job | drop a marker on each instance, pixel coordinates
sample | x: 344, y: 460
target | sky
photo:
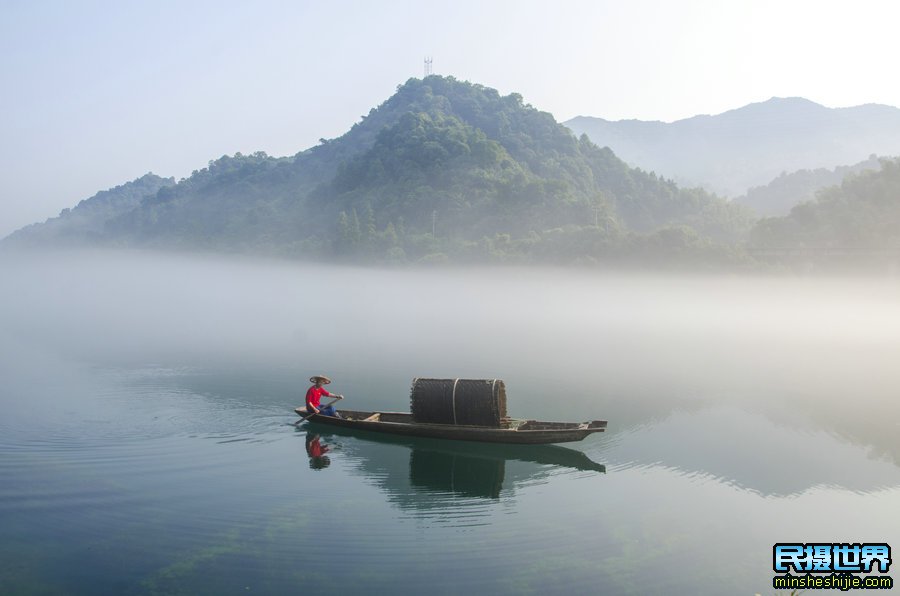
x: 95, y: 94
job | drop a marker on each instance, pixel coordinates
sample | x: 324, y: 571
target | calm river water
x: 147, y: 444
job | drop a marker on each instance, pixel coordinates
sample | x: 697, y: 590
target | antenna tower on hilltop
x: 428, y: 69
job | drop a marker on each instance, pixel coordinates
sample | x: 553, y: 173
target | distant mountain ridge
x: 749, y: 146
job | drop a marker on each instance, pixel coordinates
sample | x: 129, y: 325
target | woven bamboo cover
x: 475, y: 402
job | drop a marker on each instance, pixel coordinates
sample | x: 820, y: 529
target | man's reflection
x: 316, y: 452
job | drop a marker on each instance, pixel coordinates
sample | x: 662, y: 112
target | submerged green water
x: 147, y: 444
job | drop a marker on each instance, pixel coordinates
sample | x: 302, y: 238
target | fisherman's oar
x: 331, y: 403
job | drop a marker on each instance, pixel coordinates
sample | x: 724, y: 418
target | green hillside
x: 780, y: 195
x: 859, y: 220
x: 443, y: 169
x: 86, y: 222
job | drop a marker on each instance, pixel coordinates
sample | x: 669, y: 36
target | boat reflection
x: 427, y: 474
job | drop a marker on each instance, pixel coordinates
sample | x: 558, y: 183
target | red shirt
x: 314, y: 396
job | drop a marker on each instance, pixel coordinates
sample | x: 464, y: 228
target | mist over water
x: 742, y: 412
x: 587, y: 339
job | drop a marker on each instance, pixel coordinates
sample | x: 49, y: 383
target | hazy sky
x: 98, y: 93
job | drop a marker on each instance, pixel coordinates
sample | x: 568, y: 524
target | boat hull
x: 519, y: 431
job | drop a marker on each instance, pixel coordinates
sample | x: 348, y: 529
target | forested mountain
x: 749, y: 146
x: 857, y: 220
x: 85, y: 222
x: 442, y: 169
x: 780, y: 195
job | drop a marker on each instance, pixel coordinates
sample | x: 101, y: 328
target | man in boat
x: 314, y: 396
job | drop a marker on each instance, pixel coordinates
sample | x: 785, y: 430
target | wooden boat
x: 510, y: 430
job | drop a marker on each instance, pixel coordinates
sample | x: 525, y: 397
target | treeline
x: 360, y: 240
